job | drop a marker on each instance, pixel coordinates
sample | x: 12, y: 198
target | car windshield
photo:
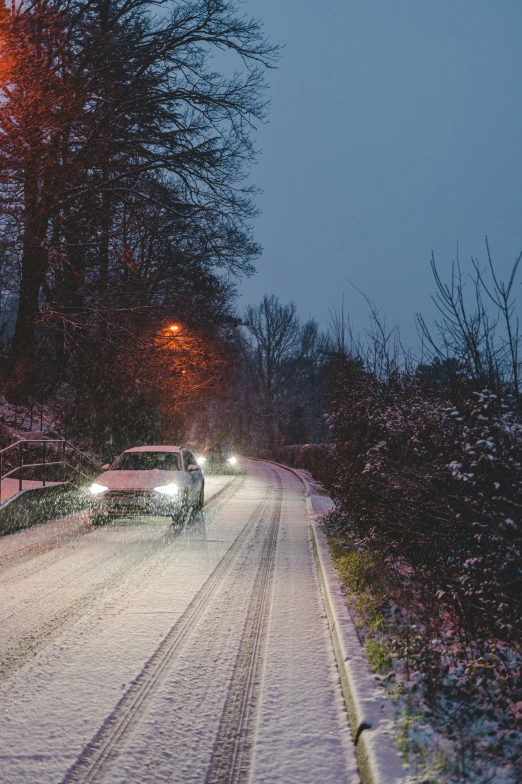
x: 147, y: 461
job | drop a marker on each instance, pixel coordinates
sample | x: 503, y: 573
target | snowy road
x: 145, y: 653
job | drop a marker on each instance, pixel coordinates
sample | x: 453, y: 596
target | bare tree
x: 500, y: 295
x: 288, y: 364
x: 479, y: 341
x: 272, y: 341
x: 97, y: 98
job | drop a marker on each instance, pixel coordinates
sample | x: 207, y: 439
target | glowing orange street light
x: 174, y: 327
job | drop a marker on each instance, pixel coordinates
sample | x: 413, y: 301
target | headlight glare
x: 232, y: 460
x: 201, y: 460
x: 97, y: 489
x: 167, y: 489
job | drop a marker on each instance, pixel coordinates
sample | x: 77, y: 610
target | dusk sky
x: 395, y: 130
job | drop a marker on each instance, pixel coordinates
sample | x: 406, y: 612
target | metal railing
x: 48, y: 447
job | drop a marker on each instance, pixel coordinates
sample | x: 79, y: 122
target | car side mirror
x: 192, y: 467
x: 106, y: 467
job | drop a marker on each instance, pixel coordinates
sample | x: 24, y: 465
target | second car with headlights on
x: 219, y: 459
x: 161, y: 481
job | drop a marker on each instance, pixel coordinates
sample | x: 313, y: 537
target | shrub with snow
x: 432, y: 489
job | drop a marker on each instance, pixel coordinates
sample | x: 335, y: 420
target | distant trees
x: 286, y: 361
x: 123, y: 154
x: 273, y: 385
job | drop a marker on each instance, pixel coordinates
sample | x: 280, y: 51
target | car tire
x: 179, y: 517
x: 198, y: 506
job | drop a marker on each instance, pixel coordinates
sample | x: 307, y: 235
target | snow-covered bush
x: 431, y: 490
x: 437, y: 486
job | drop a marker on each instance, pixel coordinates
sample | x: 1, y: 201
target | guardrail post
x: 20, y: 484
x: 44, y: 462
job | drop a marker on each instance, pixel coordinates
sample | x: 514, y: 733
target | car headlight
x: 97, y: 489
x: 167, y: 489
x: 232, y: 460
x: 201, y: 460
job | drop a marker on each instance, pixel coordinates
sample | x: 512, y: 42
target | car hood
x: 139, y: 480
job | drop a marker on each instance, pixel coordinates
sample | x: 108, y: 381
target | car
x: 219, y: 459
x: 160, y: 480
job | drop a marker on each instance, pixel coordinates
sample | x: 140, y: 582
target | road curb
x: 370, y: 713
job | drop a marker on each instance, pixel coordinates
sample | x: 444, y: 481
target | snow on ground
x: 133, y: 635
x: 301, y: 681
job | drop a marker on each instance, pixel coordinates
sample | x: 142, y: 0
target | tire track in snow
x: 231, y: 758
x: 78, y: 601
x: 69, y: 530
x: 106, y: 745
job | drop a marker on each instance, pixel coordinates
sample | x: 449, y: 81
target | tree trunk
x: 33, y: 274
x: 105, y: 229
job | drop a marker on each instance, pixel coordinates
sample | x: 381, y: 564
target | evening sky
x: 395, y: 129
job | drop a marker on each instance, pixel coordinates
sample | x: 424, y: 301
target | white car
x: 148, y: 480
